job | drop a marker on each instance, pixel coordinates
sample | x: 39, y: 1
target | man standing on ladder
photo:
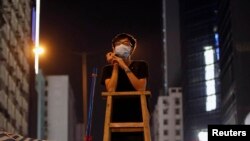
x: 124, y: 74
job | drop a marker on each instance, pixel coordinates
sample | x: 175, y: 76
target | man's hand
x: 120, y: 61
x: 109, y: 57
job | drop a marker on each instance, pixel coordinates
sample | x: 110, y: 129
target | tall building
x: 234, y: 31
x: 200, y: 55
x: 15, y: 36
x: 171, y: 44
x: 168, y: 117
x: 61, y: 116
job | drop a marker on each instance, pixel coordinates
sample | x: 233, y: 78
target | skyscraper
x: 234, y: 31
x: 61, y: 115
x: 200, y: 53
x: 15, y: 49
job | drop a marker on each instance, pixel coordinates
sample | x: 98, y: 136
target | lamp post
x: 37, y: 49
x: 85, y: 92
x: 84, y: 87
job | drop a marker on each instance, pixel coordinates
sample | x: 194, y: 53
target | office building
x: 61, y: 115
x: 234, y: 31
x: 200, y: 56
x: 167, y: 121
x: 15, y: 47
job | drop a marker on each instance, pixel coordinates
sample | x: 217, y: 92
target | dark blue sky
x: 77, y: 26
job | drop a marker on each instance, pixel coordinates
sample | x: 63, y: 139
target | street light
x: 38, y: 51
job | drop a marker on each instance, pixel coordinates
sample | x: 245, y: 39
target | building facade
x: 61, y: 116
x: 234, y: 31
x: 168, y: 117
x: 15, y: 46
x: 200, y: 55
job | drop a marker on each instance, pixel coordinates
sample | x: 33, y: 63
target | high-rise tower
x: 200, y: 52
x: 234, y: 30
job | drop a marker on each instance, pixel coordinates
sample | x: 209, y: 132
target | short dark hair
x: 123, y: 36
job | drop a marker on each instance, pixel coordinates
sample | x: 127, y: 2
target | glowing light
x: 211, y: 102
x: 209, y: 77
x: 209, y: 74
x: 216, y: 37
x: 217, y: 49
x: 247, y: 119
x: 38, y: 50
x: 37, y: 23
x: 203, y: 136
x: 210, y: 87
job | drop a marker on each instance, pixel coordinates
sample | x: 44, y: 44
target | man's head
x: 124, y: 41
x: 121, y: 36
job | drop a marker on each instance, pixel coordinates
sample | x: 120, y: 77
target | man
x: 124, y: 74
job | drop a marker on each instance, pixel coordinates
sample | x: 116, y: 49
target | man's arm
x: 138, y: 84
x: 111, y: 82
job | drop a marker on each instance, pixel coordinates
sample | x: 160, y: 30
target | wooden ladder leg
x: 145, y: 118
x: 107, y: 134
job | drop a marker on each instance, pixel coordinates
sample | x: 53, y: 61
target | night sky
x: 68, y: 27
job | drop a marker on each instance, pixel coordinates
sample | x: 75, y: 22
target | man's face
x: 122, y: 48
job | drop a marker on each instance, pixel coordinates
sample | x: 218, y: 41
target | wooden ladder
x: 143, y: 126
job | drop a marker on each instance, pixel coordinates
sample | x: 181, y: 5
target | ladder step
x: 126, y: 127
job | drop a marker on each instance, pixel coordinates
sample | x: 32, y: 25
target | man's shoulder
x: 107, y: 67
x: 139, y: 62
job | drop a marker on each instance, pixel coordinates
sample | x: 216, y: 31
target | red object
x: 88, y: 138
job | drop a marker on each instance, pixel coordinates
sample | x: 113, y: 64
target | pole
x: 37, y: 31
x: 84, y: 87
x: 88, y: 136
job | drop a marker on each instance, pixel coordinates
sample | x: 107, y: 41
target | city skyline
x: 200, y: 47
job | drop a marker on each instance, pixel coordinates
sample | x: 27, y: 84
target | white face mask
x: 122, y: 51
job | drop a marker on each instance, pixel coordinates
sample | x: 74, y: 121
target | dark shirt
x: 139, y: 68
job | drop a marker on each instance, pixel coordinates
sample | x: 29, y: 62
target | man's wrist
x: 127, y: 70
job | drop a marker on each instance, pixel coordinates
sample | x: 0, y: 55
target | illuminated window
x: 209, y: 77
x: 211, y: 102
x: 209, y: 74
x: 210, y: 87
